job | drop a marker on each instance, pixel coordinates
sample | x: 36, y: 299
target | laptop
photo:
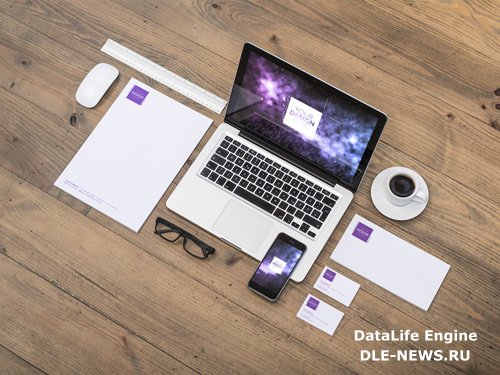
x: 290, y: 155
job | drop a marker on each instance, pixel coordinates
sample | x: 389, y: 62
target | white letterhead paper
x: 133, y: 154
x: 389, y: 261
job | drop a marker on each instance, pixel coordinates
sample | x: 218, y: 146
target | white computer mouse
x: 95, y: 84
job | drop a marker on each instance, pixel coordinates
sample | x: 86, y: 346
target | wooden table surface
x: 80, y: 293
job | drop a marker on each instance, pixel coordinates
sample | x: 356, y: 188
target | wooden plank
x: 459, y: 206
x: 25, y: 133
x: 449, y: 210
x: 46, y: 76
x: 46, y: 254
x: 23, y: 158
x: 145, y: 295
x: 58, y: 334
x: 96, y: 280
x: 448, y: 244
x: 471, y: 24
x: 373, y: 305
x: 473, y: 273
x: 412, y: 51
x: 459, y: 222
x: 438, y: 125
x: 36, y: 146
x: 237, y: 22
x: 33, y: 63
x: 11, y: 363
x: 453, y: 207
x: 408, y: 121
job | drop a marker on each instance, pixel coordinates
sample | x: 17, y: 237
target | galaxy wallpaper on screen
x: 313, y: 122
x: 277, y: 266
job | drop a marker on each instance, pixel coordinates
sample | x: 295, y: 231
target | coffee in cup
x: 403, y: 187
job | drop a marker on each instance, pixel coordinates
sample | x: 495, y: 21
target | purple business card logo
x: 312, y: 303
x: 329, y: 275
x: 137, y: 94
x: 362, y: 231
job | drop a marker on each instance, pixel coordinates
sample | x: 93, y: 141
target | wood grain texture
x: 452, y: 133
x: 62, y: 50
x: 414, y: 51
x: 38, y: 162
x: 442, y: 238
x: 12, y: 364
x: 24, y: 151
x: 56, y: 332
x: 205, y: 330
x: 474, y: 22
x: 442, y: 126
x: 432, y: 66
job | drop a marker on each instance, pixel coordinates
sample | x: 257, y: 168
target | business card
x: 337, y: 286
x: 320, y: 314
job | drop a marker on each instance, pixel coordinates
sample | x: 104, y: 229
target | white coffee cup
x: 403, y: 188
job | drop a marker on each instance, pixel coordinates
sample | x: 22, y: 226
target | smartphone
x: 274, y: 271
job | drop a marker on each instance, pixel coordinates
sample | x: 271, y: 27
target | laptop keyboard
x: 270, y: 186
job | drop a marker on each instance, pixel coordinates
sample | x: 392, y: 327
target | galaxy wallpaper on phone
x: 277, y: 266
x: 309, y: 120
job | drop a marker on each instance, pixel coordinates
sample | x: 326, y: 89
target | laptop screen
x: 320, y: 126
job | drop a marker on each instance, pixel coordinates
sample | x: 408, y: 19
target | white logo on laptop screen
x: 302, y: 118
x: 277, y: 265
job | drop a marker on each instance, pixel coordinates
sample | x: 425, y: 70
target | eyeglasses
x: 191, y: 244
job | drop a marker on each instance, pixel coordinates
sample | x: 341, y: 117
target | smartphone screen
x: 275, y: 269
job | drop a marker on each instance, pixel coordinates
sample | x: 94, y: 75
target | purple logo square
x: 362, y: 231
x: 329, y: 275
x: 137, y: 94
x: 312, y: 303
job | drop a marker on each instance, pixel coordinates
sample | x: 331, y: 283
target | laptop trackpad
x: 242, y: 227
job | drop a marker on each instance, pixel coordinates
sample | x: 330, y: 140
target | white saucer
x: 386, y: 208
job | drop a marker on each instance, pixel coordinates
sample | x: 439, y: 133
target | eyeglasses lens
x: 167, y: 233
x: 193, y: 248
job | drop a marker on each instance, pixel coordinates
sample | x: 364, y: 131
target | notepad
x: 133, y: 154
x: 390, y: 262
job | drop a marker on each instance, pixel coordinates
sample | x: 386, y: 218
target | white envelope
x: 389, y: 261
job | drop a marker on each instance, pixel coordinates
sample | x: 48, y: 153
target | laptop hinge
x: 296, y: 161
